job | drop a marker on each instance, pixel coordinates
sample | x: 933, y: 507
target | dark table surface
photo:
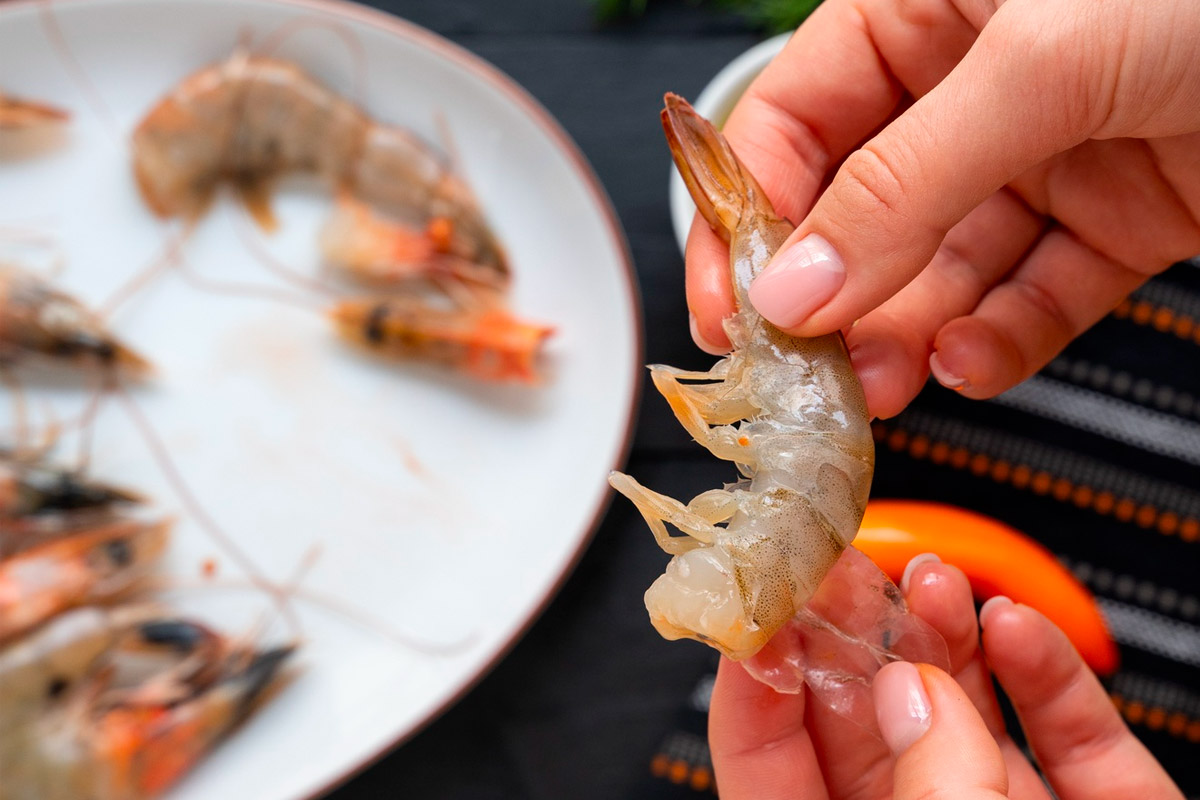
x: 578, y: 707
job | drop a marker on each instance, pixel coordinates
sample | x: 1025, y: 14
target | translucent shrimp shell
x: 789, y: 412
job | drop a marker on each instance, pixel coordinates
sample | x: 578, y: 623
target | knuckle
x: 871, y: 182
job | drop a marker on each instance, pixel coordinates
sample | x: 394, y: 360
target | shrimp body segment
x: 37, y: 319
x: 789, y: 412
x: 249, y: 120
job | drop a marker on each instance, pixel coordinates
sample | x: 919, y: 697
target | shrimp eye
x: 180, y: 636
x: 119, y: 552
x: 374, y: 326
x: 56, y: 687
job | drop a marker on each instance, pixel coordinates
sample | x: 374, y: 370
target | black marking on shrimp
x: 887, y: 639
x: 892, y: 594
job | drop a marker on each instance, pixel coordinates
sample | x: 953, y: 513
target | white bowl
x: 715, y: 102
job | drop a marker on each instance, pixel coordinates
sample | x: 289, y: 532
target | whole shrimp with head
x: 789, y: 412
x: 126, y: 722
x: 38, y: 320
x: 251, y: 119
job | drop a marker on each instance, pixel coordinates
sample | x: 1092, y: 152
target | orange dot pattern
x: 679, y: 771
x: 1142, y: 312
x: 1175, y: 723
x: 1021, y: 476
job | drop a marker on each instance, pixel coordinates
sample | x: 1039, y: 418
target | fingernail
x: 700, y: 341
x: 799, y: 280
x: 944, y: 376
x: 989, y: 608
x: 901, y: 705
x: 916, y: 561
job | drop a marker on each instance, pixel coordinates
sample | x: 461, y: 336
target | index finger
x: 838, y: 79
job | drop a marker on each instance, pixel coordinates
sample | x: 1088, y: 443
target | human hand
x: 767, y: 745
x: 1046, y: 168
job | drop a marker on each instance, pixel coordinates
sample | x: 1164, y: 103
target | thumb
x: 1014, y: 100
x: 942, y: 746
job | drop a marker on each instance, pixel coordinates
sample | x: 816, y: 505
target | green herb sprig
x: 772, y: 16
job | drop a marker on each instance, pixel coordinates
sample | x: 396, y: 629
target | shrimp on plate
x: 250, y: 120
x: 95, y: 565
x: 39, y: 502
x: 19, y: 114
x: 790, y: 413
x: 38, y: 320
x: 403, y: 223
x: 486, y: 343
x: 118, y: 704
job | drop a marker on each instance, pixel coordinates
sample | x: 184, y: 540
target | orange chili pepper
x: 996, y: 558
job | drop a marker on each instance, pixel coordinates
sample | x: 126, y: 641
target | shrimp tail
x: 725, y: 193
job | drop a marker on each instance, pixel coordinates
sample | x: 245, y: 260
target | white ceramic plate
x: 448, y: 510
x: 715, y: 102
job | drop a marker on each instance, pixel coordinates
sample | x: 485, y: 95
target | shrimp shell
x: 88, y: 567
x: 487, y: 343
x: 37, y: 319
x: 789, y: 412
x: 251, y: 119
x: 128, y: 731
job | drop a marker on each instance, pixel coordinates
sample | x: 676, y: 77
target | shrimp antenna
x: 242, y: 289
x: 354, y: 47
x: 169, y: 256
x: 274, y: 265
x: 197, y: 510
x: 91, y: 94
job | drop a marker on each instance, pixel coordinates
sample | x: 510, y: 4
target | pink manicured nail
x: 916, y: 561
x: 989, y: 608
x: 799, y: 280
x: 700, y: 341
x: 901, y: 705
x: 944, y: 376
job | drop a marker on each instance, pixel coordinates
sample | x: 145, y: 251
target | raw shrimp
x: 789, y: 412
x: 487, y: 343
x: 38, y: 501
x: 383, y: 253
x: 87, y: 567
x: 16, y: 113
x: 127, y: 640
x: 121, y: 733
x: 38, y: 320
x: 249, y: 120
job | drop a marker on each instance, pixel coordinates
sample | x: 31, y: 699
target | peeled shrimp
x: 789, y: 412
x: 37, y: 319
x: 249, y: 120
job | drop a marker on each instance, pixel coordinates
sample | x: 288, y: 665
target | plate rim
x: 511, y: 89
